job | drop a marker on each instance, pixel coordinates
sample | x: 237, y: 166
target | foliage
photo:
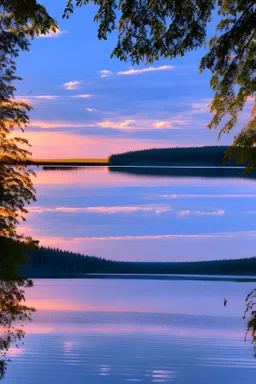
x: 20, y: 21
x: 52, y: 262
x: 150, y: 29
x: 250, y: 309
x: 13, y: 311
x: 173, y: 156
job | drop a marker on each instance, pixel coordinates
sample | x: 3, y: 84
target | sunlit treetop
x: 28, y: 17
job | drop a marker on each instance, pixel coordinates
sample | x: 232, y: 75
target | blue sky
x: 88, y: 105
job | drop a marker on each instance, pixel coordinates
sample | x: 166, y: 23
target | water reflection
x: 164, y: 344
x: 164, y: 171
x: 250, y: 310
x: 173, y: 172
x: 13, y: 311
x: 162, y: 331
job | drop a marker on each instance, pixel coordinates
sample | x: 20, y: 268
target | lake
x: 145, y: 331
x: 153, y: 214
x: 113, y: 331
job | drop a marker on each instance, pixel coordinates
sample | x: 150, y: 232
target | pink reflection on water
x: 57, y: 305
x: 12, y: 352
x: 118, y: 329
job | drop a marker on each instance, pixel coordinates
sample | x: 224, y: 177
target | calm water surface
x: 143, y: 214
x: 119, y: 331
x: 115, y: 331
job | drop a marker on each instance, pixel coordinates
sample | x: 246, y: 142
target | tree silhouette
x: 151, y: 29
x: 16, y: 188
x: 251, y: 311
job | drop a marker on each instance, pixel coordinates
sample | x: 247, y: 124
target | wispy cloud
x: 145, y: 70
x: 200, y: 108
x: 187, y: 212
x: 52, y: 34
x: 101, y: 209
x: 162, y: 210
x: 184, y: 212
x: 71, y: 85
x: 228, y: 195
x: 58, y: 124
x: 31, y: 99
x: 216, y: 235
x: 91, y: 110
x: 105, y: 73
x: 82, y: 96
x: 46, y: 97
x: 220, y: 212
x: 170, y: 124
x: 142, y: 124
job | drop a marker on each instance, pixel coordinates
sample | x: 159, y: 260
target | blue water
x: 142, y: 217
x: 119, y: 331
x: 145, y: 331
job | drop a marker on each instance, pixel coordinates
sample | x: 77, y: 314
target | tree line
x: 54, y: 262
x: 204, y: 156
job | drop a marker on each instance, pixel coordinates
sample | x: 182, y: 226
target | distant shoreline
x: 91, y: 163
x: 56, y: 263
x: 69, y: 162
x: 187, y: 277
x: 206, y: 156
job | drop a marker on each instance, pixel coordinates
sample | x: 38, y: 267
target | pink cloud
x: 58, y: 124
x: 184, y: 212
x: 142, y: 124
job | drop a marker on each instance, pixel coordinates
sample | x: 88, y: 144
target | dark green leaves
x: 151, y: 29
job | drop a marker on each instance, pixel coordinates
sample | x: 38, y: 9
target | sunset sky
x: 88, y: 105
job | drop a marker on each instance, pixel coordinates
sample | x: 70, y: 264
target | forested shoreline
x: 179, y: 156
x: 52, y: 262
